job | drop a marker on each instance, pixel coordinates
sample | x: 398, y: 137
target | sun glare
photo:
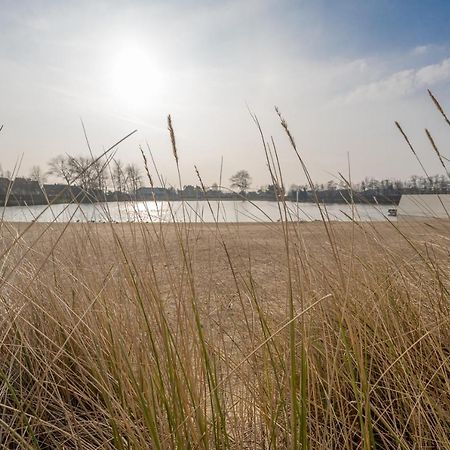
x: 135, y: 77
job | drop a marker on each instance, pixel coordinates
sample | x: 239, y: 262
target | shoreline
x: 205, y: 200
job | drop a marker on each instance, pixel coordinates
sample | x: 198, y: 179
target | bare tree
x: 84, y: 171
x: 36, y: 174
x: 134, y: 178
x: 81, y: 170
x: 98, y: 174
x: 241, y: 180
x: 118, y: 176
x: 60, y: 167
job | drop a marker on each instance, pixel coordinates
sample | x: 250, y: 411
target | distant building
x: 25, y: 187
x: 62, y: 193
x: 20, y: 191
x: 149, y: 193
x: 4, y: 185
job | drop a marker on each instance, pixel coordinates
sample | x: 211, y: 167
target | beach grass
x: 216, y: 336
x: 301, y: 335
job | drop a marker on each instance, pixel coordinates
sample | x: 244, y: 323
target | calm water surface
x: 192, y: 211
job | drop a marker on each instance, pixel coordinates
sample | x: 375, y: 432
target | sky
x: 341, y: 72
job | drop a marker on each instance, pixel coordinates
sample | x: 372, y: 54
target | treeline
x: 370, y: 190
x: 85, y: 179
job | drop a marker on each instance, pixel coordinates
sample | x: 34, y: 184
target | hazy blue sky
x: 340, y: 71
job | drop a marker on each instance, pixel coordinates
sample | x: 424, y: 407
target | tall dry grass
x: 279, y: 335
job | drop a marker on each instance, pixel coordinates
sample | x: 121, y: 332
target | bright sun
x: 135, y: 78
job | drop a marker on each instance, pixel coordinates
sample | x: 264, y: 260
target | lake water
x: 192, y: 211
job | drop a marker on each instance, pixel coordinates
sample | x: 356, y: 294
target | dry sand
x: 223, y: 259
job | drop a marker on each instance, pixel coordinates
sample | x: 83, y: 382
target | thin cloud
x: 427, y: 50
x: 400, y: 84
x: 421, y: 49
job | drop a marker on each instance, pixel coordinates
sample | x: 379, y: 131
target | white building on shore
x: 421, y: 206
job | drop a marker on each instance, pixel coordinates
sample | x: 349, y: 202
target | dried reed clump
x: 149, y: 342
x: 172, y: 138
x: 282, y: 335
